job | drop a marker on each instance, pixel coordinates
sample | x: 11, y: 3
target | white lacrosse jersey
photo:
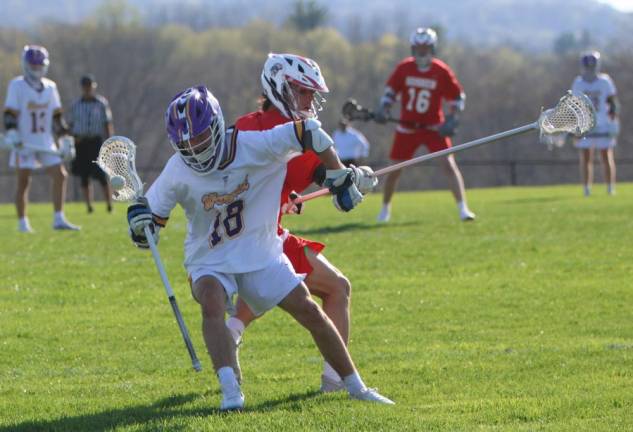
x: 350, y: 143
x: 598, y: 90
x: 232, y: 211
x: 35, y: 110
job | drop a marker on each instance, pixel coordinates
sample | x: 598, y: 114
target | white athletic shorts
x: 29, y: 159
x: 262, y: 289
x: 600, y: 143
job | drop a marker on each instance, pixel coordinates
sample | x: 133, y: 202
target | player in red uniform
x: 423, y: 84
x: 292, y: 90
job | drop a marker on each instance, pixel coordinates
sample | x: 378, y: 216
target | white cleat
x: 234, y: 402
x: 466, y: 215
x: 329, y: 385
x: 371, y: 395
x: 384, y: 215
x: 25, y: 229
x: 64, y: 225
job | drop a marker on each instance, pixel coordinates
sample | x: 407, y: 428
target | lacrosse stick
x: 352, y: 110
x: 66, y: 147
x: 573, y: 114
x: 117, y: 159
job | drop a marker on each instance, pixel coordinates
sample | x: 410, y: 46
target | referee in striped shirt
x: 91, y: 123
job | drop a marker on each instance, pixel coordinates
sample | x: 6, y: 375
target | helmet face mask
x: 35, y: 62
x: 294, y: 85
x: 195, y: 126
x: 423, y: 43
x: 590, y: 63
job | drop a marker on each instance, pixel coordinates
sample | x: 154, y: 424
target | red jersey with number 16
x: 422, y: 92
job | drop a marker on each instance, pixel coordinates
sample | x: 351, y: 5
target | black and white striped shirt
x: 89, y: 116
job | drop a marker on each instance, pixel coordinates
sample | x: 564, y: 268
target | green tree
x: 307, y: 15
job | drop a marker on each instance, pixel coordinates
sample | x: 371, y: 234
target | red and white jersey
x: 34, y: 110
x: 300, y: 169
x: 232, y: 211
x: 598, y: 90
x: 421, y: 92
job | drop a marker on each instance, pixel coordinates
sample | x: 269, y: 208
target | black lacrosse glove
x: 139, y: 216
x: 449, y: 127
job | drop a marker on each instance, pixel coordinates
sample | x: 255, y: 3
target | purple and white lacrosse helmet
x: 195, y: 126
x: 35, y: 62
x: 590, y: 62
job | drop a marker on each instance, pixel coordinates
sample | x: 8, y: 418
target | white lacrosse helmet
x: 281, y: 70
x: 423, y: 36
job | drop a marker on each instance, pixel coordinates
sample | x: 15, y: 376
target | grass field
x: 520, y: 321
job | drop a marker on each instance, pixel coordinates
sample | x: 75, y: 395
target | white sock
x: 329, y: 372
x: 228, y: 381
x: 236, y: 328
x: 611, y: 189
x: 354, y: 383
x: 24, y: 223
x: 59, y: 216
x: 587, y: 190
x: 463, y: 207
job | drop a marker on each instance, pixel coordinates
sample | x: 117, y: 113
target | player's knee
x: 343, y: 290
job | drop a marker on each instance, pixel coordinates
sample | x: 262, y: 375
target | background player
x: 423, y: 84
x: 229, y: 186
x: 351, y: 145
x: 599, y: 87
x: 33, y: 113
x: 293, y: 88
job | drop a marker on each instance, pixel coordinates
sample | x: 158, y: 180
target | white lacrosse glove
x: 139, y: 216
x: 12, y: 139
x: 364, y: 178
x: 67, y: 147
x: 341, y: 184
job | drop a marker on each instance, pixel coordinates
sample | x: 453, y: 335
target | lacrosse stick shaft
x: 172, y: 300
x: 430, y: 156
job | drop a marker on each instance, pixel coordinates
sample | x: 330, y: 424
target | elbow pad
x: 10, y: 120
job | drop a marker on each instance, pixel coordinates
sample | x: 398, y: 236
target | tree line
x: 140, y: 68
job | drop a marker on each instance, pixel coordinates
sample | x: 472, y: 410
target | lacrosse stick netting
x: 117, y: 158
x: 573, y: 114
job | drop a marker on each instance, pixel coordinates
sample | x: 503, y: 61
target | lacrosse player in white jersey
x: 599, y: 87
x: 229, y: 185
x: 32, y: 116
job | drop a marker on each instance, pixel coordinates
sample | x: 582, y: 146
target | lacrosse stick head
x: 352, y: 110
x: 573, y: 114
x: 117, y: 158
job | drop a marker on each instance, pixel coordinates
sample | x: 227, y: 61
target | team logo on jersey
x: 35, y: 106
x: 425, y: 83
x: 212, y: 199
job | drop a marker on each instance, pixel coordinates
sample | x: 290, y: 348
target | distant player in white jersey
x: 229, y: 185
x: 32, y: 116
x: 599, y: 87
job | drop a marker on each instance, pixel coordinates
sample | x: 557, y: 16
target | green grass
x: 520, y: 321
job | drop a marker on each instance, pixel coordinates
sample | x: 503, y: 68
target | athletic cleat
x: 371, y: 395
x: 233, y: 402
x: 384, y: 215
x: 65, y: 225
x: 466, y: 215
x: 26, y: 229
x: 330, y: 385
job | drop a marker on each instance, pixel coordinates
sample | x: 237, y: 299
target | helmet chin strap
x: 424, y: 62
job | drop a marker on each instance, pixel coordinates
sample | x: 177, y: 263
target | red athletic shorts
x: 406, y: 144
x: 294, y: 248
